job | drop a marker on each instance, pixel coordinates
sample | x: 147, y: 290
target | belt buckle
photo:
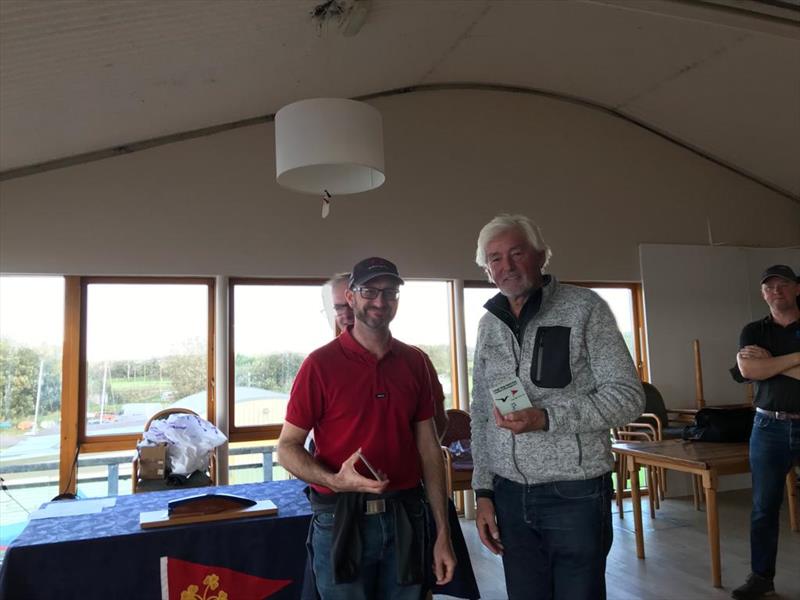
x: 375, y: 507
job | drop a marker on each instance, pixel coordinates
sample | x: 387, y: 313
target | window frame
x: 454, y: 374
x: 76, y: 299
x: 272, y: 432
x: 253, y: 433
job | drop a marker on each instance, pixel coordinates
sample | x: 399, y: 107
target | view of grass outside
x: 275, y: 328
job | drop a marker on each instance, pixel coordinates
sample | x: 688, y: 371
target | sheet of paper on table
x: 68, y: 508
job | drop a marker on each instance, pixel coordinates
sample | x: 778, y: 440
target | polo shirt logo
x: 381, y: 395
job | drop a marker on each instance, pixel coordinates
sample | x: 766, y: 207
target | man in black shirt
x: 769, y: 355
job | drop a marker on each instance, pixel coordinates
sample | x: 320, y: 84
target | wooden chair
x: 640, y: 432
x: 196, y: 479
x: 670, y: 424
x: 650, y: 425
x: 458, y: 470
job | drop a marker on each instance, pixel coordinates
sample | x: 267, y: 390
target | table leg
x: 469, y: 505
x: 791, y: 493
x: 712, y: 520
x: 622, y: 470
x: 633, y: 471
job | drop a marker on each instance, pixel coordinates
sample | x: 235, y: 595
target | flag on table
x: 184, y: 580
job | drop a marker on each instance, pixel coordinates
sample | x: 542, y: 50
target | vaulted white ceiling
x: 83, y: 76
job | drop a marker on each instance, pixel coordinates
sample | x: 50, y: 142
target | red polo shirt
x: 353, y: 400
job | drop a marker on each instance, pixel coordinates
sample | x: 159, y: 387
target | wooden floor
x: 676, y: 546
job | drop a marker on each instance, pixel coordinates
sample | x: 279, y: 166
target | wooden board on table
x: 160, y: 518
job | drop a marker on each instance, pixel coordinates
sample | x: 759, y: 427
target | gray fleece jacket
x: 574, y: 363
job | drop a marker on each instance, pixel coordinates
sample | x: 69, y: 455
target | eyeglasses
x: 369, y: 293
x: 341, y: 308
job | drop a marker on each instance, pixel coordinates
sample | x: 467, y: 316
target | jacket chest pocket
x: 550, y: 366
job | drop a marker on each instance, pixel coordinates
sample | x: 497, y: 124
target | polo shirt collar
x: 351, y: 345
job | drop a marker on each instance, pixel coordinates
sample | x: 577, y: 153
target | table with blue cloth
x: 108, y: 555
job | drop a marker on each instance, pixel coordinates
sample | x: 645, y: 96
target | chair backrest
x: 163, y: 414
x: 622, y: 435
x: 458, y: 427
x: 654, y: 403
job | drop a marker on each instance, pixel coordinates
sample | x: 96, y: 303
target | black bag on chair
x: 720, y: 425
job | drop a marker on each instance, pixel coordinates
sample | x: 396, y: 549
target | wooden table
x: 705, y: 459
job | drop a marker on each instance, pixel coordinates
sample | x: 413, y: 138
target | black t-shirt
x: 779, y: 392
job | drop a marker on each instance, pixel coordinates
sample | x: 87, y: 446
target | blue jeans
x: 378, y: 577
x: 556, y: 537
x: 774, y: 445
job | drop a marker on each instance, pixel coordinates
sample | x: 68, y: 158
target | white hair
x: 339, y: 277
x: 327, y: 296
x: 505, y: 222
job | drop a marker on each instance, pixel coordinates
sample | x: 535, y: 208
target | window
x: 424, y: 320
x: 274, y: 326
x: 31, y: 337
x: 620, y: 301
x: 147, y: 346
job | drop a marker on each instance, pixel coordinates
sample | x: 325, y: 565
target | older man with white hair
x: 551, y: 376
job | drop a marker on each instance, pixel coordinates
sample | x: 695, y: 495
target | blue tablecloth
x: 108, y: 555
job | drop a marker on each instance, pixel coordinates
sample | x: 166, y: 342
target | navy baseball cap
x: 370, y: 268
x: 782, y: 271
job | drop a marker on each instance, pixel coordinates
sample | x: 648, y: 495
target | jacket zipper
x: 580, y: 449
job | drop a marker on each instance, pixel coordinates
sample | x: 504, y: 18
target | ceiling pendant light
x: 329, y: 147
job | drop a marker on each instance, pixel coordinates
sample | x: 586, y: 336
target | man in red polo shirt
x: 367, y: 398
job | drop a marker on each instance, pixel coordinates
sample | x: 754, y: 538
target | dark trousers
x: 774, y: 446
x: 556, y: 537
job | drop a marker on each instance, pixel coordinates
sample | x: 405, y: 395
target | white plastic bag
x: 189, y: 441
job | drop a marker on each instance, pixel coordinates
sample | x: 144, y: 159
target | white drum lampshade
x: 329, y: 145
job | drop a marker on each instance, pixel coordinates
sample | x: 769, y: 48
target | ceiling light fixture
x: 329, y: 147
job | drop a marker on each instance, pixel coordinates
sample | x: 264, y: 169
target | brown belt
x: 778, y: 414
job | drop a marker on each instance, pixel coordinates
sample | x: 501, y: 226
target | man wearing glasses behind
x: 343, y: 318
x: 367, y: 398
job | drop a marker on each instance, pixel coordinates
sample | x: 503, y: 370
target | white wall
x: 598, y: 185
